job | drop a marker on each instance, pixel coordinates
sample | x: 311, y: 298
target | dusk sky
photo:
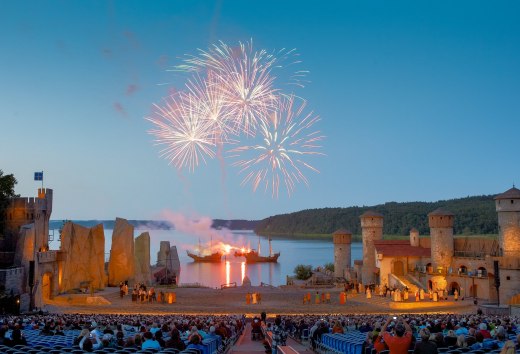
x: 419, y: 101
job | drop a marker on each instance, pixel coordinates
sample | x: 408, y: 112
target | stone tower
x: 372, y: 230
x: 508, y: 208
x: 342, y: 240
x: 441, y: 232
x: 25, y: 211
x: 414, y: 237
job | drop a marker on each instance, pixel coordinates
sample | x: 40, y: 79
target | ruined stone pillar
x: 121, y: 266
x: 143, y: 271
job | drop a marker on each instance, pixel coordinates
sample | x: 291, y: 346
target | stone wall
x: 25, y: 246
x: 83, y: 257
x: 14, y: 280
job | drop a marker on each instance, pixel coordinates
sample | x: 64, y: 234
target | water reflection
x: 230, y: 271
x: 314, y: 252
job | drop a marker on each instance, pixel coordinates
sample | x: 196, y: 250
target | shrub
x: 303, y: 272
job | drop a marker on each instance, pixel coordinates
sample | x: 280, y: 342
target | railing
x: 463, y: 272
x: 468, y: 254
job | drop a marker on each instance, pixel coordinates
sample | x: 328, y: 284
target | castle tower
x: 371, y: 230
x: 342, y: 240
x: 25, y: 211
x: 414, y: 237
x: 508, y: 208
x: 441, y: 232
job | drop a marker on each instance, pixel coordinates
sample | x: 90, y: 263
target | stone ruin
x: 143, y: 272
x: 83, y: 252
x: 168, y: 262
x: 83, y: 257
x: 121, y: 266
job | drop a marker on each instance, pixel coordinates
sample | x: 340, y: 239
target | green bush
x: 329, y: 267
x: 303, y: 272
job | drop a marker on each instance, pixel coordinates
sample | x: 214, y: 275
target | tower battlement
x: 342, y: 237
x: 441, y: 218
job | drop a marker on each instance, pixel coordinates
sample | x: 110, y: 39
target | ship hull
x: 253, y: 257
x: 212, y: 258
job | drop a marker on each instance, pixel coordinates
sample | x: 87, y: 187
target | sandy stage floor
x: 283, y: 300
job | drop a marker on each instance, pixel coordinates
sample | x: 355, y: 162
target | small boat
x: 255, y: 257
x: 214, y: 257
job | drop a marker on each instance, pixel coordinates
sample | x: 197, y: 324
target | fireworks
x: 233, y: 93
x: 244, y: 81
x: 278, y: 157
x: 187, y: 135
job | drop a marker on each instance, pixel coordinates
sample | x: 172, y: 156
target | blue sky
x: 418, y: 101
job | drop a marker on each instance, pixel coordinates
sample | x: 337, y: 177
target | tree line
x: 473, y: 215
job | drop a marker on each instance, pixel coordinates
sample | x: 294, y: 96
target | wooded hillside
x: 473, y: 215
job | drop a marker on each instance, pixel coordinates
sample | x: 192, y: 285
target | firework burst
x: 278, y: 158
x: 211, y: 106
x: 188, y: 137
x: 233, y: 93
x: 245, y: 80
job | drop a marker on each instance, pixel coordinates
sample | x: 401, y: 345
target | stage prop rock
x: 162, y: 255
x: 173, y: 263
x: 246, y: 282
x: 83, y: 258
x: 121, y: 266
x: 143, y: 272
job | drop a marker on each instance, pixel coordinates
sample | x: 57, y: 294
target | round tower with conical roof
x: 414, y: 237
x: 508, y: 209
x: 441, y: 232
x: 371, y: 229
x: 342, y: 240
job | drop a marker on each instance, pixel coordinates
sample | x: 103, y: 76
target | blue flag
x: 38, y: 176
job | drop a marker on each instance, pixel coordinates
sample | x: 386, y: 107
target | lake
x: 294, y: 251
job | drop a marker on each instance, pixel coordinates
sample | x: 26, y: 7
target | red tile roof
x: 400, y: 248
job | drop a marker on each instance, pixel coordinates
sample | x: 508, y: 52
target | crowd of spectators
x: 431, y: 333
x: 136, y: 332
x: 424, y: 333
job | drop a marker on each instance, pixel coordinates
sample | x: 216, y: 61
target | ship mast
x: 258, y: 244
x: 270, y: 248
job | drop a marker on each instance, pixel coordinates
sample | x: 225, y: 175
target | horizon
x: 415, y: 102
x: 352, y: 206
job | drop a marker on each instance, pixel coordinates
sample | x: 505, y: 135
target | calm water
x: 315, y: 252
